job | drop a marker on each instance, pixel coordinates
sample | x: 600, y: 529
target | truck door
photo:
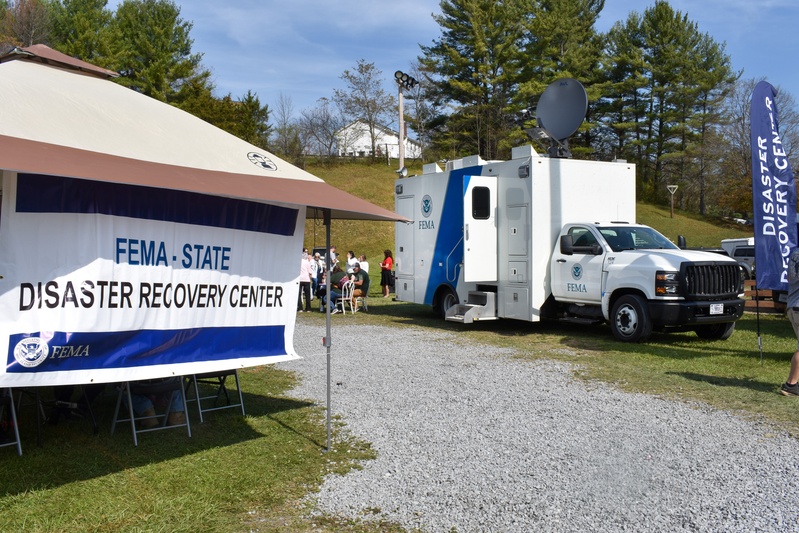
x: 578, y: 277
x: 480, y: 228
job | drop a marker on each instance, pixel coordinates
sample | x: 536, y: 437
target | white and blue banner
x: 773, y: 192
x: 104, y: 282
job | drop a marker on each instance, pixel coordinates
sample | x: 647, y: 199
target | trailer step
x: 480, y: 306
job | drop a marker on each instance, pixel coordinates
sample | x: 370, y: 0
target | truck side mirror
x: 566, y: 245
x: 681, y: 242
x: 596, y: 249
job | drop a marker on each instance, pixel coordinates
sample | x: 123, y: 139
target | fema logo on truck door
x: 577, y: 271
x: 427, y: 210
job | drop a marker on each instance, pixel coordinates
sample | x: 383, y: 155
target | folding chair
x: 362, y: 301
x: 219, y: 381
x: 171, y: 386
x: 7, y: 406
x: 346, y: 297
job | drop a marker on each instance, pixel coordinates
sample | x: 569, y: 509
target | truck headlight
x: 667, y: 283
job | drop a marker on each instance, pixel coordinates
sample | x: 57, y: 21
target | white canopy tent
x: 80, y: 278
x: 64, y: 117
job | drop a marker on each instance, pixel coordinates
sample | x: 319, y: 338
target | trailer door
x: 480, y: 228
x: 406, y: 247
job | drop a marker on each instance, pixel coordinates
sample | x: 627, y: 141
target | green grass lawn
x: 234, y: 474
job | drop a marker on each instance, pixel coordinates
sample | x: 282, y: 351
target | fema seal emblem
x: 577, y: 271
x: 261, y: 160
x: 31, y: 352
x: 427, y: 205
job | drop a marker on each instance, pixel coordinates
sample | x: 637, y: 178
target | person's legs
x: 177, y: 411
x: 791, y: 387
x: 357, y: 293
x: 793, y: 374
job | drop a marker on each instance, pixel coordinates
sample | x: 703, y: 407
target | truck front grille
x: 711, y: 281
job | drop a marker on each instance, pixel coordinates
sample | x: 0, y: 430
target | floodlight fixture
x: 404, y: 80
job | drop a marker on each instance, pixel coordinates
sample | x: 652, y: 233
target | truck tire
x: 630, y: 320
x: 446, y: 299
x: 716, y: 332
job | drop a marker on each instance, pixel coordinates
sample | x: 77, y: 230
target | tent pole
x: 327, y: 319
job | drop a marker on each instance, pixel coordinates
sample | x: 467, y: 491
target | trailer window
x: 481, y: 203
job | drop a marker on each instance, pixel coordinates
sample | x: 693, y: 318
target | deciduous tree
x: 24, y: 23
x: 365, y: 98
x: 318, y: 128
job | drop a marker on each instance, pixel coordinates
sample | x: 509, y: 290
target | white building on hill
x: 354, y: 141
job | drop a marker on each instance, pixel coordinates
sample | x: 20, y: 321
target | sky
x: 300, y: 48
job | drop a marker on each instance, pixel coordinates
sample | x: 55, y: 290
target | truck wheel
x: 446, y: 299
x: 629, y: 319
x: 716, y: 332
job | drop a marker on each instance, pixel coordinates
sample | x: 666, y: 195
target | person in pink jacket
x: 305, y: 282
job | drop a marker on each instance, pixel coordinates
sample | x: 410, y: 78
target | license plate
x: 716, y: 309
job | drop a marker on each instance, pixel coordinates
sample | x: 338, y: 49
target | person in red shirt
x: 386, y: 276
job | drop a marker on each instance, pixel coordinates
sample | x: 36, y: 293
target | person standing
x: 791, y: 387
x: 351, y: 260
x: 333, y: 257
x: 364, y: 264
x: 314, y: 275
x: 305, y: 283
x: 386, y: 275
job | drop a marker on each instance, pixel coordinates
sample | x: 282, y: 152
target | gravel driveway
x: 469, y: 439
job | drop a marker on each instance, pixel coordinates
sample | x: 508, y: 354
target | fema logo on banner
x: 427, y: 205
x: 261, y: 160
x: 31, y: 352
x: 577, y: 271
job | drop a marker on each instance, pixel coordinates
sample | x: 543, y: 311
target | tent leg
x: 328, y: 342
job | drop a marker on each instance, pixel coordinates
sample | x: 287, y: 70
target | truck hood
x: 679, y: 256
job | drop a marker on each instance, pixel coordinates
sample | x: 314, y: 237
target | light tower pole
x: 404, y: 81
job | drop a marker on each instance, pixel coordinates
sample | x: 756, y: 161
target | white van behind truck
x: 743, y: 251
x: 540, y: 237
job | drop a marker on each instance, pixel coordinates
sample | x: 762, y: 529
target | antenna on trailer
x: 560, y: 111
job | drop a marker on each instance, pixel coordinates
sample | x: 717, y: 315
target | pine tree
x: 477, y: 64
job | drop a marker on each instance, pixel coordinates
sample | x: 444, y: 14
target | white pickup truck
x: 638, y: 281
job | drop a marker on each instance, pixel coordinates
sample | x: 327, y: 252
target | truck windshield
x: 635, y: 238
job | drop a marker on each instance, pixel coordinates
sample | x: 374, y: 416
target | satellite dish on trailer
x: 560, y: 111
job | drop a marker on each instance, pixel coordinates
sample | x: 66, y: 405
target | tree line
x: 662, y: 94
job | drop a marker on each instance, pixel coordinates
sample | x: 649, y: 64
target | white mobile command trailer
x: 543, y: 237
